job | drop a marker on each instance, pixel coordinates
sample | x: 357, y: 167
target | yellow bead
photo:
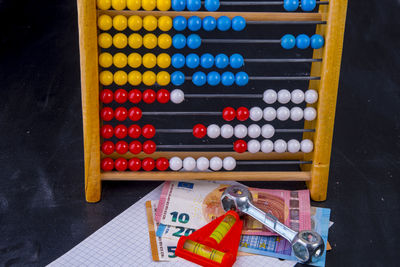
x: 120, y: 60
x: 163, y: 5
x: 163, y: 78
x: 149, y: 78
x: 134, y: 4
x: 104, y: 4
x: 150, y: 23
x: 105, y: 40
x: 120, y: 78
x: 163, y: 60
x: 134, y: 78
x: 165, y: 23
x: 104, y: 22
x: 106, y: 77
x: 149, y: 5
x: 134, y: 60
x: 164, y: 41
x: 149, y: 60
x: 150, y: 41
x: 135, y: 23
x: 135, y: 40
x: 120, y: 22
x: 120, y: 40
x: 105, y: 60
x: 118, y: 4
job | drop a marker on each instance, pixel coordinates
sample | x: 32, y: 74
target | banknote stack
x: 185, y: 207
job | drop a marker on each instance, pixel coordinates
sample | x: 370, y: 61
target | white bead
x: 280, y: 146
x: 270, y: 96
x: 284, y: 96
x: 310, y: 113
x: 267, y: 146
x: 216, y: 163
x: 253, y: 146
x: 293, y: 146
x: 296, y: 114
x: 202, y: 164
x: 267, y: 131
x: 311, y: 96
x: 254, y: 131
x: 226, y: 131
x: 282, y: 113
x: 306, y: 146
x: 256, y: 113
x: 177, y: 96
x: 175, y: 163
x: 213, y: 131
x: 240, y: 131
x: 297, y: 96
x: 189, y: 164
x: 269, y: 114
x: 229, y: 163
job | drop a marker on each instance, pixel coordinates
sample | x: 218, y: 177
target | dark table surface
x: 42, y: 209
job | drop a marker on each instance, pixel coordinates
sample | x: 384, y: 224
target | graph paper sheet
x: 124, y: 241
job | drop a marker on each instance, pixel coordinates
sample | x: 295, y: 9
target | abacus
x: 145, y: 63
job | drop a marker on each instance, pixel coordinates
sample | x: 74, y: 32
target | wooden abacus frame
x: 315, y: 174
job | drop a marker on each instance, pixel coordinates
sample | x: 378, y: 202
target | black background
x: 42, y: 209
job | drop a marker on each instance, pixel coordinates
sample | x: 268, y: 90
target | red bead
x: 121, y: 131
x: 242, y: 113
x: 149, y: 96
x: 135, y: 113
x: 148, y: 164
x: 121, y: 96
x: 134, y: 164
x: 121, y: 147
x: 135, y: 147
x: 107, y: 147
x: 106, y: 96
x: 240, y: 146
x: 163, y: 96
x: 162, y: 164
x: 107, y: 114
x: 107, y: 164
x: 134, y: 131
x: 121, y: 114
x: 148, y: 131
x: 229, y: 114
x: 121, y: 164
x: 199, y: 131
x: 149, y: 147
x: 107, y: 131
x: 135, y: 96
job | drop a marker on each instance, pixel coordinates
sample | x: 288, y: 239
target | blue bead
x: 290, y: 5
x: 209, y: 23
x: 199, y: 78
x: 302, y: 41
x: 178, y: 5
x: 194, y: 23
x: 213, y: 78
x: 179, y: 23
x: 193, y: 41
x: 236, y: 61
x: 221, y: 61
x: 192, y: 61
x: 238, y: 23
x: 227, y: 78
x: 223, y: 23
x: 178, y: 61
x: 317, y: 41
x: 207, y: 61
x: 193, y: 5
x: 211, y: 5
x: 179, y: 41
x: 288, y: 41
x: 177, y: 78
x: 241, y: 78
x: 308, y: 5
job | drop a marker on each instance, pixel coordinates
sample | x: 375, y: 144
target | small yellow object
x: 163, y: 78
x: 163, y: 5
x: 120, y: 40
x: 203, y: 250
x: 165, y: 23
x: 105, y: 60
x: 134, y: 60
x: 222, y: 229
x: 120, y: 77
x: 105, y: 40
x: 120, y: 60
x: 149, y: 78
x: 149, y: 61
x: 134, y: 78
x: 135, y: 40
x: 104, y: 4
x: 120, y: 22
x: 118, y: 4
x: 133, y: 4
x: 150, y: 23
x: 150, y: 41
x: 104, y: 22
x: 149, y: 5
x: 135, y: 23
x: 163, y: 60
x: 164, y: 41
x: 106, y: 77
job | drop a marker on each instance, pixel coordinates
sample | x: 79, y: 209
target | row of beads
x: 122, y: 147
x: 202, y: 164
x: 239, y: 131
x: 134, y: 60
x: 135, y: 96
x: 279, y: 146
x: 134, y: 164
x: 207, y: 61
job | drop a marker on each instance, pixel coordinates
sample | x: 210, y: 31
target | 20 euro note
x: 194, y: 204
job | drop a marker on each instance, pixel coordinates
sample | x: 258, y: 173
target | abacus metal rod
x: 282, y: 60
x: 223, y: 95
x: 260, y: 3
x: 276, y: 130
x: 264, y: 22
x: 241, y: 41
x: 182, y: 113
x: 271, y: 162
x: 194, y: 146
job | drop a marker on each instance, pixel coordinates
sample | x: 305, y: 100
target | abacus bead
x: 150, y: 41
x: 284, y: 96
x: 135, y: 23
x: 293, y: 146
x: 213, y: 78
x: 149, y: 96
x: 107, y: 164
x: 135, y: 41
x: 267, y: 146
x: 253, y: 146
x: 308, y: 5
x: 149, y: 147
x: 107, y: 147
x: 240, y: 131
x: 238, y: 23
x: 227, y: 78
x: 104, y: 22
x: 121, y: 164
x: 302, y: 41
x: 178, y: 5
x: 240, y: 146
x: 241, y: 78
x: 211, y: 5
x: 175, y: 163
x: 179, y: 23
x: 163, y: 5
x: 120, y: 96
x: 133, y: 4
x: 242, y: 114
x: 306, y: 146
x: 164, y: 22
x: 254, y: 131
x: 107, y: 131
x: 121, y: 114
x: 229, y: 114
x: 194, y: 23
x: 150, y: 23
x: 148, y: 131
x: 178, y: 61
x: 162, y: 164
x: 221, y: 61
x: 177, y: 96
x: 149, y: 78
x: 107, y: 114
x: 270, y: 96
x: 199, y: 131
x: 193, y: 41
x: 280, y: 146
x: 118, y: 4
x: 207, y: 61
x: 317, y: 41
x: 120, y: 78
x: 256, y: 113
x: 192, y: 61
x: 149, y: 5
x: 223, y: 23
x: 120, y: 40
x: 209, y: 23
x: 229, y: 163
x: 267, y: 131
x: 120, y: 60
x: 135, y: 114
x: 269, y: 114
x: 189, y: 164
x: 227, y: 131
x: 236, y: 61
x: 105, y: 60
x: 164, y: 41
x: 199, y: 78
x: 310, y: 113
x: 148, y: 164
x: 177, y: 78
x: 296, y: 114
x: 163, y: 60
x: 120, y: 22
x: 120, y: 131
x: 297, y: 96
x: 121, y: 147
x: 288, y: 41
x: 215, y: 163
x: 213, y: 131
x: 134, y: 78
x: 202, y: 163
x: 163, y: 78
x: 104, y: 4
x: 134, y: 131
x: 135, y: 147
x: 179, y: 41
x: 106, y: 96
x: 193, y: 5
x: 135, y: 96
x: 163, y: 96
x: 282, y: 113
x: 134, y: 164
x: 290, y: 5
x: 134, y: 60
x: 311, y: 96
x: 105, y: 40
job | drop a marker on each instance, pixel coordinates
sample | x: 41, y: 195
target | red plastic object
x: 121, y: 164
x: 107, y: 114
x: 229, y: 114
x: 149, y: 96
x: 134, y: 164
x: 149, y: 147
x: 134, y: 131
x: 135, y: 147
x: 199, y: 131
x: 240, y: 146
x: 108, y: 147
x: 242, y: 114
x: 135, y: 96
x: 120, y: 131
x: 162, y: 164
x: 135, y: 113
x: 121, y: 96
x: 120, y: 114
x: 121, y: 147
x: 148, y: 164
x: 106, y: 96
x: 148, y: 131
x: 107, y: 164
x: 163, y: 96
x: 107, y: 131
